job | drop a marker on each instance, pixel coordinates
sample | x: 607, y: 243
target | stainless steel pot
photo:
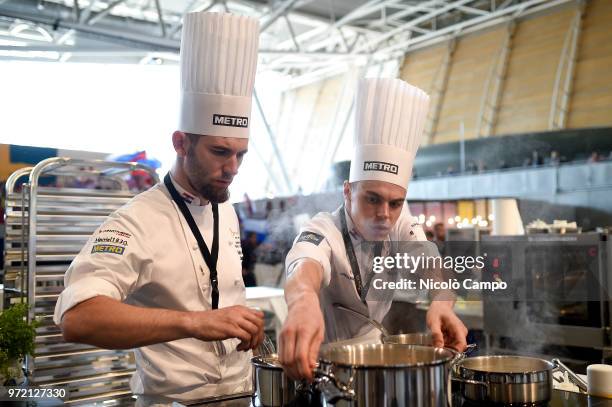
x: 510, y: 380
x: 377, y: 375
x: 272, y: 386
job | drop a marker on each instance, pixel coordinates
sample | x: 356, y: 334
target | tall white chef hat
x: 218, y: 65
x: 390, y: 116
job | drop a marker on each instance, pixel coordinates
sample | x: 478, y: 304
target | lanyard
x: 350, y: 252
x: 210, y: 257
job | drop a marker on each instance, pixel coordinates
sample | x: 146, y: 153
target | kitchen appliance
x: 561, y: 285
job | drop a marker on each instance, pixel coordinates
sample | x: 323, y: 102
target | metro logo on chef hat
x: 218, y: 66
x: 389, y: 121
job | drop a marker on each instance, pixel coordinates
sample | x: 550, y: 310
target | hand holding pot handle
x: 301, y: 337
x: 446, y: 328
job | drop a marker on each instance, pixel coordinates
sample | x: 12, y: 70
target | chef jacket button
x: 195, y: 247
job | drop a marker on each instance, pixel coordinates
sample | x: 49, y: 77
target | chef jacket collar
x: 188, y: 197
x: 355, y: 235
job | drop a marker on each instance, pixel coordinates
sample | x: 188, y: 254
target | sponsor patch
x: 117, y: 232
x: 310, y: 237
x: 230, y: 121
x: 111, y: 239
x: 237, y: 243
x: 380, y: 166
x: 107, y: 248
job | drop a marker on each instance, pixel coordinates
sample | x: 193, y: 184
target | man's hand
x: 107, y: 323
x: 301, y: 337
x: 225, y: 323
x: 446, y: 328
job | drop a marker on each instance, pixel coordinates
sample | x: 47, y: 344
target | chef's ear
x: 179, y: 141
x: 346, y: 191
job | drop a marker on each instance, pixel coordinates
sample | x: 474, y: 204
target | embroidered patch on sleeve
x: 107, y: 248
x: 310, y: 237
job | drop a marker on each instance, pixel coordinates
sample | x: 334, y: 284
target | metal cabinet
x: 46, y: 227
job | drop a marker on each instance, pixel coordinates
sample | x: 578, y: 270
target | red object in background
x: 434, y: 209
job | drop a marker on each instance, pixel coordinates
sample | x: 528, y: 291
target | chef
x: 163, y: 274
x: 330, y: 261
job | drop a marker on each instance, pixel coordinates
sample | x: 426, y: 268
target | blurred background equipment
x: 46, y: 227
x: 509, y: 220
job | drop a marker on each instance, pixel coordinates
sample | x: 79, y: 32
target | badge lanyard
x: 210, y: 257
x: 350, y: 252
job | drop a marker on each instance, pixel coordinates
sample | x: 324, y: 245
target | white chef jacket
x: 320, y: 239
x: 145, y: 254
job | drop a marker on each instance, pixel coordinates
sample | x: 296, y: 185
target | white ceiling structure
x: 308, y: 40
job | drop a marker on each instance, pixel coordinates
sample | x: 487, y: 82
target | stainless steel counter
x: 560, y: 398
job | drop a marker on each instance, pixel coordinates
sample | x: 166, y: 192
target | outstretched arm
x: 304, y: 327
x: 107, y: 323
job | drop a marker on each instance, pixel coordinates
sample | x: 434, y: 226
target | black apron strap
x: 350, y: 253
x: 210, y: 257
x: 378, y: 248
x: 362, y: 289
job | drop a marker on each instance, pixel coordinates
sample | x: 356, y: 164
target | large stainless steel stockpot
x: 376, y: 375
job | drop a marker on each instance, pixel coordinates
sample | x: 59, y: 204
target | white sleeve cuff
x: 82, y: 290
x: 309, y: 251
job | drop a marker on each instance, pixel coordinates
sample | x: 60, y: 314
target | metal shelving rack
x: 46, y: 227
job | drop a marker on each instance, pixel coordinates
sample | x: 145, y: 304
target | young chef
x: 163, y: 274
x: 330, y: 259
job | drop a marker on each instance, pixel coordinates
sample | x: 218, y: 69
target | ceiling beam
x: 399, y: 48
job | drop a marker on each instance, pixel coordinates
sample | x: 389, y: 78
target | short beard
x: 198, y: 180
x: 213, y: 194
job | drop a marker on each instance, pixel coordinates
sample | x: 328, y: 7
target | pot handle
x: 333, y: 389
x: 462, y: 355
x: 574, y: 378
x: 469, y: 349
x: 474, y: 382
